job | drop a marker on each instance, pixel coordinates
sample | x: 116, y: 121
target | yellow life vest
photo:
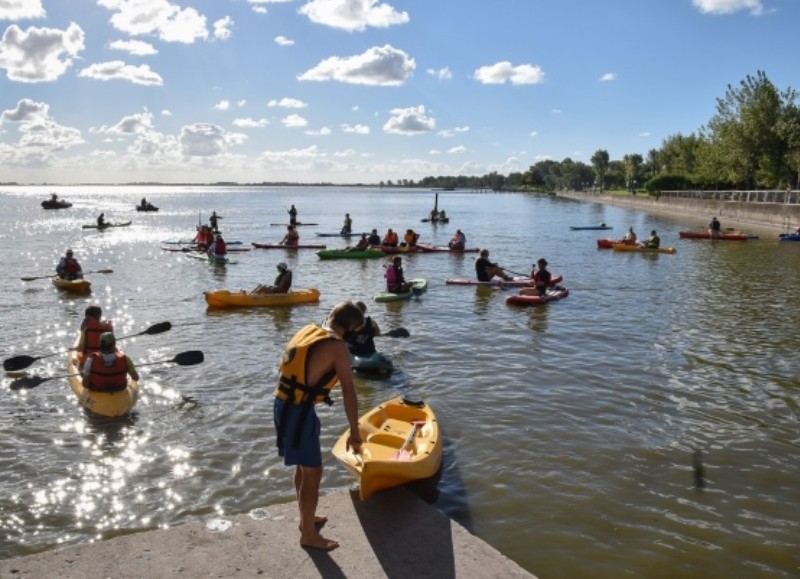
x: 294, y: 368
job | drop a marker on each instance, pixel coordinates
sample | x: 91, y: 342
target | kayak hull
x: 372, y: 364
x: 418, y: 286
x: 723, y: 236
x: 640, y: 249
x: 591, y: 228
x: 243, y: 299
x: 550, y: 296
x: 108, y: 225
x: 282, y: 246
x: 76, y: 286
x: 499, y: 282
x: 111, y: 404
x: 56, y: 204
x: 146, y: 208
x: 610, y: 243
x: 384, y: 430
x: 350, y: 254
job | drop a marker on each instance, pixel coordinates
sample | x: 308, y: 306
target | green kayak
x: 349, y: 253
x: 417, y: 287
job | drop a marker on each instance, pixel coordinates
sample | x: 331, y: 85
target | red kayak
x: 610, y: 243
x: 550, y: 296
x: 282, y: 246
x: 499, y: 282
x: 736, y: 236
x: 196, y: 248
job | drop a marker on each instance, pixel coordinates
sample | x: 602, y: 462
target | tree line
x: 751, y: 142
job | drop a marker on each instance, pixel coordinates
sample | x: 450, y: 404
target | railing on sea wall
x: 766, y: 196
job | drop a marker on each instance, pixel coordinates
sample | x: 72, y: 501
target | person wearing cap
x: 68, y: 267
x: 486, y: 270
x: 715, y: 228
x: 218, y: 249
x: 652, y: 242
x: 542, y: 279
x: 108, y: 369
x: 281, y: 285
x: 459, y: 241
x: 292, y: 238
x: 395, y: 279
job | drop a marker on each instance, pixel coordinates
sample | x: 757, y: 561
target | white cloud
x: 206, y: 140
x: 117, y: 69
x: 352, y: 15
x: 27, y: 111
x: 355, y: 129
x: 222, y: 28
x: 533, y: 134
x: 502, y: 72
x: 249, y: 123
x: 159, y: 17
x: 21, y: 9
x: 223, y: 105
x: 166, y: 113
x: 608, y: 77
x: 323, y: 132
x: 294, y: 121
x: 287, y: 103
x: 446, y: 133
x: 135, y: 47
x: 137, y: 124
x: 409, y: 121
x: 345, y: 154
x: 644, y: 134
x: 441, y: 74
x: 378, y: 66
x: 39, y: 54
x: 729, y: 6
x: 240, y: 103
x: 456, y: 150
x: 283, y: 41
x: 40, y: 136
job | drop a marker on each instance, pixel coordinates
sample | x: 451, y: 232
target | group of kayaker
x: 652, y: 242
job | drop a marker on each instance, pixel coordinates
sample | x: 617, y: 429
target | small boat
x: 284, y: 246
x: 610, y: 243
x: 148, y: 207
x: 551, y: 295
x: 350, y: 253
x: 401, y: 443
x: 107, y: 225
x: 102, y: 403
x: 76, y: 286
x: 437, y: 220
x: 298, y: 224
x: 422, y: 248
x: 199, y: 249
x: 734, y: 236
x: 57, y: 204
x: 372, y: 364
x: 640, y: 249
x: 395, y: 249
x: 417, y: 287
x: 340, y: 234
x: 203, y: 256
x: 789, y: 237
x: 590, y: 227
x: 245, y: 299
x: 499, y: 282
x: 194, y: 242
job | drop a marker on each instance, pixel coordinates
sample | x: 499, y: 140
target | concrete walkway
x: 393, y: 534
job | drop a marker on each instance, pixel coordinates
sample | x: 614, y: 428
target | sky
x: 365, y: 91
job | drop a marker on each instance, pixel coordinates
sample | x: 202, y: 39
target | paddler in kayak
x: 361, y: 342
x: 410, y: 238
x: 629, y: 237
x: 486, y: 270
x: 374, y: 239
x: 101, y: 221
x: 652, y: 242
x: 315, y: 359
x: 108, y: 369
x: 218, y: 249
x: 281, y: 285
x: 459, y: 240
x: 68, y: 267
x: 362, y: 245
x: 292, y: 238
x: 541, y: 279
x: 395, y: 280
x: 92, y: 328
x: 390, y: 239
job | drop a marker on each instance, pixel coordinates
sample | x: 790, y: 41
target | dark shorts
x: 308, y: 453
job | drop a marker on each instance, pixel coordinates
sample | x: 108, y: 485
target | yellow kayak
x: 401, y: 443
x: 640, y: 249
x: 244, y: 299
x: 77, y: 286
x: 102, y: 403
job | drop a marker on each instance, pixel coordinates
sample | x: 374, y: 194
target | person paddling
x: 108, y: 369
x: 541, y: 279
x: 395, y: 280
x: 292, y: 238
x: 281, y: 285
x: 92, y: 328
x: 101, y: 221
x: 486, y: 270
x: 292, y: 215
x: 68, y: 267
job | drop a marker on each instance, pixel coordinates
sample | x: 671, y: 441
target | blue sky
x: 363, y: 91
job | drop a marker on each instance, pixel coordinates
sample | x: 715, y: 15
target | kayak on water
x: 148, y: 207
x: 349, y: 253
x: 590, y: 227
x: 197, y: 248
x: 437, y: 220
x: 735, y: 236
x: 789, y: 237
x: 203, y: 256
x: 422, y: 248
x: 193, y: 242
x: 499, y: 282
x: 340, y: 234
x: 640, y: 249
x: 402, y: 443
x: 245, y: 299
x: 417, y: 287
x: 58, y: 204
x: 298, y: 224
x: 107, y: 225
x: 284, y: 246
x: 610, y: 243
x: 77, y: 286
x: 551, y: 295
x: 371, y: 364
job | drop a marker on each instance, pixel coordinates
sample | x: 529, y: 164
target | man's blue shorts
x: 308, y: 453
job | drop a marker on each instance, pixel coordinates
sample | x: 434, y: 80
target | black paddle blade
x: 27, y: 382
x: 398, y: 333
x: 189, y: 358
x: 158, y: 329
x: 18, y: 362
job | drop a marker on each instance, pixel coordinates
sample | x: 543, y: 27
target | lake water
x: 570, y: 428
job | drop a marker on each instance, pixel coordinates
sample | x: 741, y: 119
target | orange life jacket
x: 111, y: 378
x: 92, y: 329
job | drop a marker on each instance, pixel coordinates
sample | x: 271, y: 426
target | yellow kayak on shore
x: 401, y: 443
x: 244, y: 299
x: 102, y: 403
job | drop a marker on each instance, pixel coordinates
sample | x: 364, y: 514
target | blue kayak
x: 789, y: 237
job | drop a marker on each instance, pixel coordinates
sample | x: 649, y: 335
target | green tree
x: 632, y: 165
x: 600, y: 161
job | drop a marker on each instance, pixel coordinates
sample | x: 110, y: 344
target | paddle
x: 525, y: 275
x: 401, y: 453
x: 49, y: 276
x: 23, y: 361
x: 188, y: 358
x: 397, y: 333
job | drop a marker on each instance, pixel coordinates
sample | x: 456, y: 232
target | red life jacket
x: 219, y: 247
x: 71, y: 266
x: 92, y: 328
x: 112, y: 378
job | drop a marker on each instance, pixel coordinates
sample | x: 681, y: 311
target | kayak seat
x: 383, y: 439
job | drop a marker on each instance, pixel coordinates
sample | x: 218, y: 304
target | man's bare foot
x: 318, y: 522
x: 319, y: 542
